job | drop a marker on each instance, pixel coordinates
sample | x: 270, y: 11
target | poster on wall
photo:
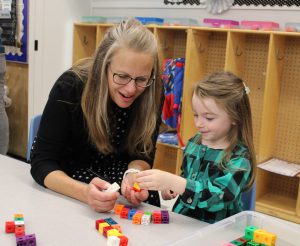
x: 13, y: 21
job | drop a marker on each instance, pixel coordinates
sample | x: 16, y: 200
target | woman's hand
x: 132, y: 196
x: 97, y: 198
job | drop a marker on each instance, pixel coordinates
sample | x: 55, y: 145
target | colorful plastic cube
x: 102, y: 225
x: 118, y: 208
x: 123, y: 240
x: 164, y: 216
x: 124, y: 213
x: 156, y: 217
x: 26, y: 240
x: 113, y: 241
x: 110, y: 221
x: 113, y: 232
x: 146, y: 219
x: 137, y: 218
x: 136, y: 187
x: 106, y: 229
x: 9, y: 226
x: 98, y: 222
x: 117, y: 227
x: 131, y: 213
x: 249, y: 232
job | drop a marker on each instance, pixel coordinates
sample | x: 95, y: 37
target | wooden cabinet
x: 269, y: 64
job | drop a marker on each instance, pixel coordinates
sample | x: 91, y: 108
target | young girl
x: 219, y: 161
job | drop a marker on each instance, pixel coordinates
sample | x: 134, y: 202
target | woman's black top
x: 62, y: 142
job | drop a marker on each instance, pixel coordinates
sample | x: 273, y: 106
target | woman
x: 101, y: 121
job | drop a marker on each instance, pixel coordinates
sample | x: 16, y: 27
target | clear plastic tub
x: 93, y: 19
x: 227, y: 230
x: 180, y: 22
x: 115, y: 19
x: 292, y: 27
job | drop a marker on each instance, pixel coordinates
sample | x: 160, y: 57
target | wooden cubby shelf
x: 268, y: 62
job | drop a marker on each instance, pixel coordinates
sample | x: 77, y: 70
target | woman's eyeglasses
x: 124, y: 79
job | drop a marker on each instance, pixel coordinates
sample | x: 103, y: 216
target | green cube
x: 249, y: 232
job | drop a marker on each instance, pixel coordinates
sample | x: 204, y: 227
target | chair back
x: 33, y: 129
x: 249, y: 197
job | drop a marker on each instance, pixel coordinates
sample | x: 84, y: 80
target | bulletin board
x: 15, y: 31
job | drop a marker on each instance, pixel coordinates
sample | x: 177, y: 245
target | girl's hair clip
x: 246, y: 88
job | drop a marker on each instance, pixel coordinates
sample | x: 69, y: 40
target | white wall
x: 51, y: 23
x: 156, y: 8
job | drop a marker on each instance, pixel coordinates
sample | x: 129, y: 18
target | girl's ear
x: 233, y: 123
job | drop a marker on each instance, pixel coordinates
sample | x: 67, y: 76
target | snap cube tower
x: 17, y: 226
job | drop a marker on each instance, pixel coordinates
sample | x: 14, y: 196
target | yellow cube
x: 113, y: 232
x: 102, y: 225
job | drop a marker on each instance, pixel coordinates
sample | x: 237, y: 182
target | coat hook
x: 200, y: 48
x: 238, y: 51
x: 85, y: 40
x: 279, y: 56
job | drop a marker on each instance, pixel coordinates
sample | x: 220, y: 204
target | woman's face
x: 128, y: 64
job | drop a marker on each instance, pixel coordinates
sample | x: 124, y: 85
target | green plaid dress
x: 212, y: 193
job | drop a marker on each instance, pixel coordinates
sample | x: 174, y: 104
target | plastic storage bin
x: 93, y: 19
x: 292, y: 27
x: 150, y: 20
x: 260, y: 25
x: 180, y: 22
x: 114, y: 19
x: 220, y: 23
x: 288, y: 234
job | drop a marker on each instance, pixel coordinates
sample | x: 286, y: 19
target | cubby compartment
x: 287, y: 141
x: 247, y: 56
x: 84, y: 40
x: 276, y: 194
x: 166, y: 157
x: 206, y: 50
x: 171, y: 42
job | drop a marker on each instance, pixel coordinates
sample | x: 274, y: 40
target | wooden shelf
x: 278, y: 206
x: 278, y: 202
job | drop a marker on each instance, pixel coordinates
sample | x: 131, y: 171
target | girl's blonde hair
x: 230, y: 93
x: 132, y: 35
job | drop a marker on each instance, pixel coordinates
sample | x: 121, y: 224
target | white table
x: 62, y: 221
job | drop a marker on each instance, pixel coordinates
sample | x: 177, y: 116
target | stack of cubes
x: 18, y: 228
x: 110, y: 229
x: 254, y: 237
x: 141, y: 217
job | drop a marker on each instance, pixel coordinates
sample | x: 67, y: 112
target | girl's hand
x: 154, y: 179
x: 97, y: 198
x: 133, y: 197
x: 168, y: 194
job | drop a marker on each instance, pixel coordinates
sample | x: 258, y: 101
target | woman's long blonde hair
x: 230, y: 93
x: 132, y: 35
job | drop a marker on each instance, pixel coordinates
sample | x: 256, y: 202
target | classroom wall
x: 157, y: 8
x: 51, y: 23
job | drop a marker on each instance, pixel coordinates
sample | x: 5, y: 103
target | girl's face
x: 212, y: 121
x: 128, y: 64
